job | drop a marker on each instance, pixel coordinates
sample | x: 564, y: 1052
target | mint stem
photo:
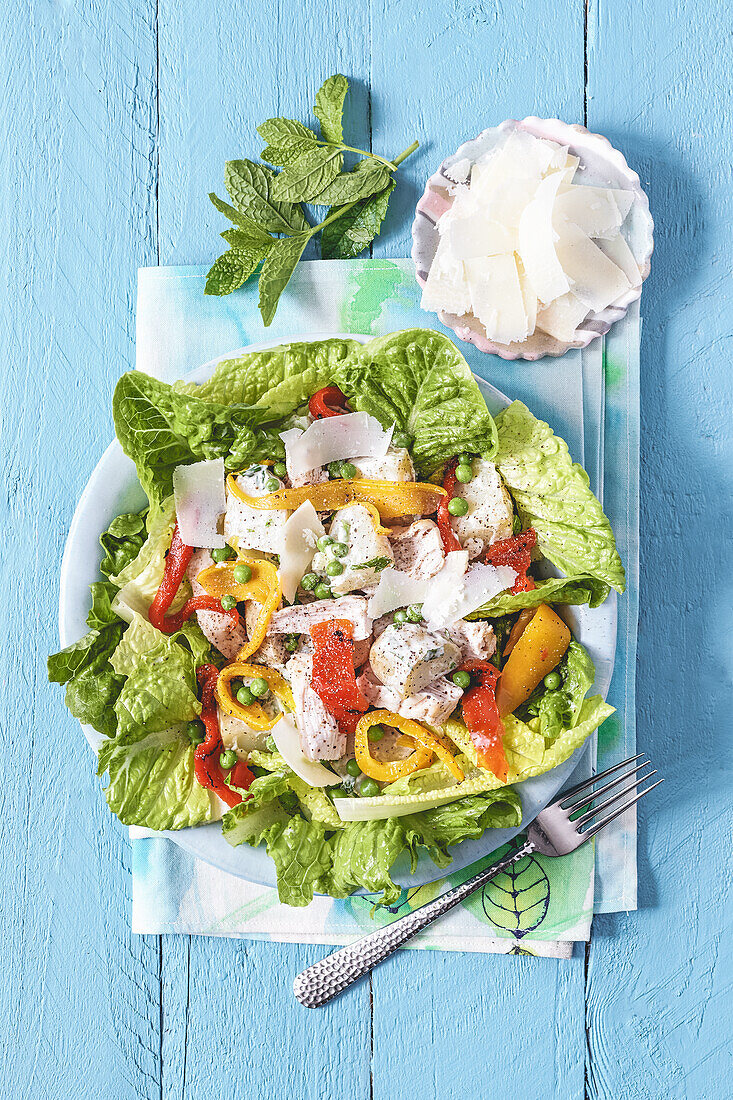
x: 350, y: 205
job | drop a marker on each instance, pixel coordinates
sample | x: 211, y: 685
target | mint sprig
x: 271, y: 229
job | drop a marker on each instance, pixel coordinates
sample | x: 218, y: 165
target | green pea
x: 242, y: 573
x: 465, y: 460
x: 195, y: 731
x: 272, y: 485
x: 464, y: 473
x: 259, y: 687
x: 324, y: 542
x: 334, y: 568
x: 400, y: 616
x: 414, y: 613
x: 401, y: 439
x: 369, y: 788
x: 353, y: 769
x: 377, y: 732
x: 334, y: 470
x: 461, y: 679
x: 457, y: 506
x: 280, y: 469
x: 292, y: 642
x: 552, y: 681
x: 309, y: 582
x: 228, y: 759
x: 340, y: 549
x: 338, y: 792
x: 223, y: 553
x: 228, y: 602
x: 245, y: 697
x: 270, y: 744
x: 348, y: 470
x: 323, y: 592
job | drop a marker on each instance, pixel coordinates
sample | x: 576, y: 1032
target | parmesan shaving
x: 200, y: 499
x: 333, y: 439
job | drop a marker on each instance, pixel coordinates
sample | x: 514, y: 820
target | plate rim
x: 184, y: 839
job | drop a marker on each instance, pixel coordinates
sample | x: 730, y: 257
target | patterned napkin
x: 591, y: 398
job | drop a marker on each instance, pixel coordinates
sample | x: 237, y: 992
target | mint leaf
x: 231, y: 270
x: 249, y: 236
x: 282, y: 156
x: 279, y: 265
x: 284, y: 132
x: 251, y: 187
x: 228, y: 211
x: 356, y: 228
x: 368, y: 177
x: 329, y: 107
x: 307, y: 176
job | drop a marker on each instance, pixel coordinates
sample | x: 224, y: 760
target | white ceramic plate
x: 600, y: 166
x: 113, y: 488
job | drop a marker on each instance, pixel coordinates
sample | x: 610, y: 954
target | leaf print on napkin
x: 517, y: 900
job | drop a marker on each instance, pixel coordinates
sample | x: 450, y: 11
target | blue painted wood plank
x: 659, y: 981
x: 79, y: 993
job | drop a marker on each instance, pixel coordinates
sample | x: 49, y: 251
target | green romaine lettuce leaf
x: 419, y: 380
x: 122, y: 541
x: 552, y: 494
x: 465, y: 819
x: 160, y: 429
x: 571, y: 590
x: 278, y: 379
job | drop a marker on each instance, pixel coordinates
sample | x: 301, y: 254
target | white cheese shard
x: 618, y: 250
x: 562, y: 317
x: 333, y: 439
x: 398, y: 589
x: 298, y: 546
x: 595, y: 279
x: 200, y: 499
x: 598, y: 211
x: 446, y: 287
x: 480, y: 584
x: 475, y: 236
x: 287, y: 740
x: 496, y: 297
x: 537, y: 243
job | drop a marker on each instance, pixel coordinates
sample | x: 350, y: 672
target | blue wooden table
x: 116, y: 121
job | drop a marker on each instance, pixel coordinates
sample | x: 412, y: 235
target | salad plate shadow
x: 114, y: 488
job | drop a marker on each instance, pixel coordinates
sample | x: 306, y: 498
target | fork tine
x: 584, y: 803
x: 614, y: 798
x: 617, y: 813
x: 594, y: 778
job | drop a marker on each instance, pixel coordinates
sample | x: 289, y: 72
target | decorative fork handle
x: 323, y: 981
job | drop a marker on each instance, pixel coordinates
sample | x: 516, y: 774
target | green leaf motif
x: 280, y: 263
x: 517, y: 900
x: 329, y: 107
x: 230, y: 271
x: 307, y: 176
x: 368, y: 177
x: 251, y: 186
x: 356, y: 228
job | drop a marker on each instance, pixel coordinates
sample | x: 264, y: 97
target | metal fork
x: 560, y: 828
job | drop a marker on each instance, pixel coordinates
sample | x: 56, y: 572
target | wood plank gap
x: 185, y: 1026
x: 160, y: 1015
x: 585, y: 62
x: 586, y: 968
x: 157, y: 135
x: 371, y: 1038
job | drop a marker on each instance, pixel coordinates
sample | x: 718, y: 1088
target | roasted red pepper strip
x: 176, y: 564
x: 515, y: 552
x: 323, y: 401
x: 206, y: 757
x: 447, y: 534
x: 334, y: 678
x: 481, y: 715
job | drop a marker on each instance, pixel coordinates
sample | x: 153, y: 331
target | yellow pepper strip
x: 426, y: 745
x: 254, y: 715
x: 263, y: 586
x: 392, y: 499
x: 539, y: 648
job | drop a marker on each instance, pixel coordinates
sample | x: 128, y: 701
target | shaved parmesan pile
x: 200, y: 499
x: 287, y: 741
x: 299, y: 537
x: 334, y: 439
x: 524, y: 247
